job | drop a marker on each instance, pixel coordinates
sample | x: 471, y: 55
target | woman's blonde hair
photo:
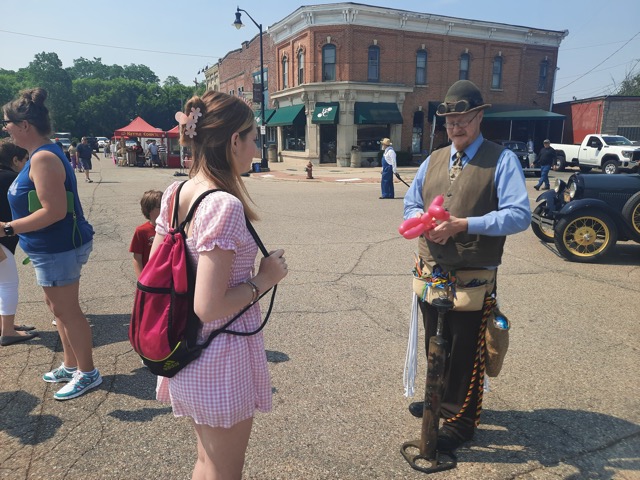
x: 222, y: 116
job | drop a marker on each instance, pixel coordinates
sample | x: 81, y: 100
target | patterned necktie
x: 456, y: 168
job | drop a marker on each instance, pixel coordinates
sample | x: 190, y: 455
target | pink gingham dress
x: 230, y: 380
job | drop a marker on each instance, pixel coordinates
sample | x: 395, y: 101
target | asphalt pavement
x: 566, y: 404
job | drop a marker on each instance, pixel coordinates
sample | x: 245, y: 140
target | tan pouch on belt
x: 466, y: 299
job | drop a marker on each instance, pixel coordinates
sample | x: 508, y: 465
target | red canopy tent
x: 174, y: 132
x: 139, y: 128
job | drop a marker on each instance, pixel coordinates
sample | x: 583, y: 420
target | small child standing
x: 145, y: 233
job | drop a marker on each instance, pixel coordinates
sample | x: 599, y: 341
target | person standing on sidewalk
x: 52, y: 231
x: 546, y: 159
x: 389, y: 168
x: 83, y: 157
x: 485, y: 193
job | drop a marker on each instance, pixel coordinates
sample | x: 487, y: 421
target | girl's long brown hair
x: 222, y: 116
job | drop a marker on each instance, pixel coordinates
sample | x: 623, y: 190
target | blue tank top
x: 67, y: 234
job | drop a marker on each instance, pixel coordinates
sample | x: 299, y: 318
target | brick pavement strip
x: 565, y: 406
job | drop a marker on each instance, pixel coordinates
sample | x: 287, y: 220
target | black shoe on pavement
x: 448, y: 441
x: 537, y: 187
x: 544, y: 188
x: 416, y: 409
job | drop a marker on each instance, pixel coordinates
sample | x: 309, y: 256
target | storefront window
x: 293, y: 137
x: 369, y: 137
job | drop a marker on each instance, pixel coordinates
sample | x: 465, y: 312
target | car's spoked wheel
x: 631, y: 214
x: 585, y: 238
x: 544, y: 234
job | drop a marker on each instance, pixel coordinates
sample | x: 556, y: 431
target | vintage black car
x: 588, y: 214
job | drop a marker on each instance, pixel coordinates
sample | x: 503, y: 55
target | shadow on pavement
x: 553, y: 436
x: 17, y: 420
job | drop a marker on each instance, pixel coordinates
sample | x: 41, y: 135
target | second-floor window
x: 300, y: 67
x: 464, y: 67
x: 496, y: 76
x: 542, y: 76
x: 285, y: 72
x: 373, y: 70
x: 421, y: 67
x: 328, y: 63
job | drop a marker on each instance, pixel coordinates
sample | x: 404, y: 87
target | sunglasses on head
x: 460, y: 106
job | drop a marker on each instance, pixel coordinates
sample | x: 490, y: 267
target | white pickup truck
x: 611, y: 153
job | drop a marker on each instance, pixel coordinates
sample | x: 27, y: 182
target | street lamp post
x: 264, y: 163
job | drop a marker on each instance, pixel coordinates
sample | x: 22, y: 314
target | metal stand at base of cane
x: 429, y: 459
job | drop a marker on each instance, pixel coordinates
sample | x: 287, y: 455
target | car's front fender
x: 587, y: 203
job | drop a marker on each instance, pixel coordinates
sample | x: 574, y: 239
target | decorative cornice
x: 339, y: 14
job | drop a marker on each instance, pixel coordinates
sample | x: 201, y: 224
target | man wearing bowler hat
x: 485, y: 194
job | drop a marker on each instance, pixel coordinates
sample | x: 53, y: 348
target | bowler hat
x: 385, y: 141
x: 462, y: 97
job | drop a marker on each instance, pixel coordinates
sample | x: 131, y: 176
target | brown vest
x: 472, y: 194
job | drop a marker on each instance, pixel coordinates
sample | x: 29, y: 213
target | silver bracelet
x: 255, y: 291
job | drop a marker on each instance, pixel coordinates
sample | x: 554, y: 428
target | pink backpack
x: 164, y: 328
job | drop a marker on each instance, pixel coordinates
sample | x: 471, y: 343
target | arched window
x: 421, y: 67
x: 285, y: 72
x: 542, y: 76
x: 464, y: 66
x: 373, y: 71
x: 300, y: 67
x: 496, y: 76
x: 329, y: 63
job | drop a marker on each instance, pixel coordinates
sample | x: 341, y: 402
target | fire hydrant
x: 309, y: 170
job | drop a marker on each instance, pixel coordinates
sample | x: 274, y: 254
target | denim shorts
x: 60, y: 269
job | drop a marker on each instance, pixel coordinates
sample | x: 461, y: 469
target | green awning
x: 293, y: 115
x: 523, y: 115
x: 267, y: 115
x: 326, y: 114
x: 367, y: 113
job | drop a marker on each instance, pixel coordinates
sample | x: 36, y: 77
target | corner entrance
x: 328, y: 139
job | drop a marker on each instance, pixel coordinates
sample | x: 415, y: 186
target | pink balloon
x: 416, y: 226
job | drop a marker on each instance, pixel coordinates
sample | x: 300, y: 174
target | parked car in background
x: 588, y: 214
x: 611, y: 153
x: 102, y: 141
x: 66, y: 143
x: 522, y: 152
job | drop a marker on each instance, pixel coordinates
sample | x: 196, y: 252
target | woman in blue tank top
x: 48, y: 219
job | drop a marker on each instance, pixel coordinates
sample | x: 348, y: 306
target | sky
x: 179, y: 38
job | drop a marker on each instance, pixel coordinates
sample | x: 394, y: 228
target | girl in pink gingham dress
x: 223, y: 388
x: 230, y: 380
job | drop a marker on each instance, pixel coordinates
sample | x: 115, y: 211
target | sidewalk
x: 330, y: 172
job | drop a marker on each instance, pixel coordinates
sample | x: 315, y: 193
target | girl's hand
x: 272, y: 269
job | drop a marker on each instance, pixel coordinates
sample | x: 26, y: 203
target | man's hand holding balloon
x: 414, y: 227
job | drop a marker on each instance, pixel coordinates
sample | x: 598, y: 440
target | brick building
x: 344, y: 75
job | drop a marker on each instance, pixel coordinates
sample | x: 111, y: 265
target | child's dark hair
x: 150, y: 199
x: 9, y: 151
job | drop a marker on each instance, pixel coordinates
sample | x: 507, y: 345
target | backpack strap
x: 181, y: 226
x: 224, y: 328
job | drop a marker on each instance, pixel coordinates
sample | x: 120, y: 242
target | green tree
x: 141, y: 73
x: 46, y: 71
x: 83, y: 68
x: 630, y: 86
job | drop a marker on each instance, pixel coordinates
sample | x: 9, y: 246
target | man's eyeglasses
x: 461, y: 124
x: 6, y: 122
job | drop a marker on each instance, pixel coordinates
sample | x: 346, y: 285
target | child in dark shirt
x: 145, y: 233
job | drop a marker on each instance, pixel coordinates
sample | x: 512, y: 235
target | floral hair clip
x: 189, y: 121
